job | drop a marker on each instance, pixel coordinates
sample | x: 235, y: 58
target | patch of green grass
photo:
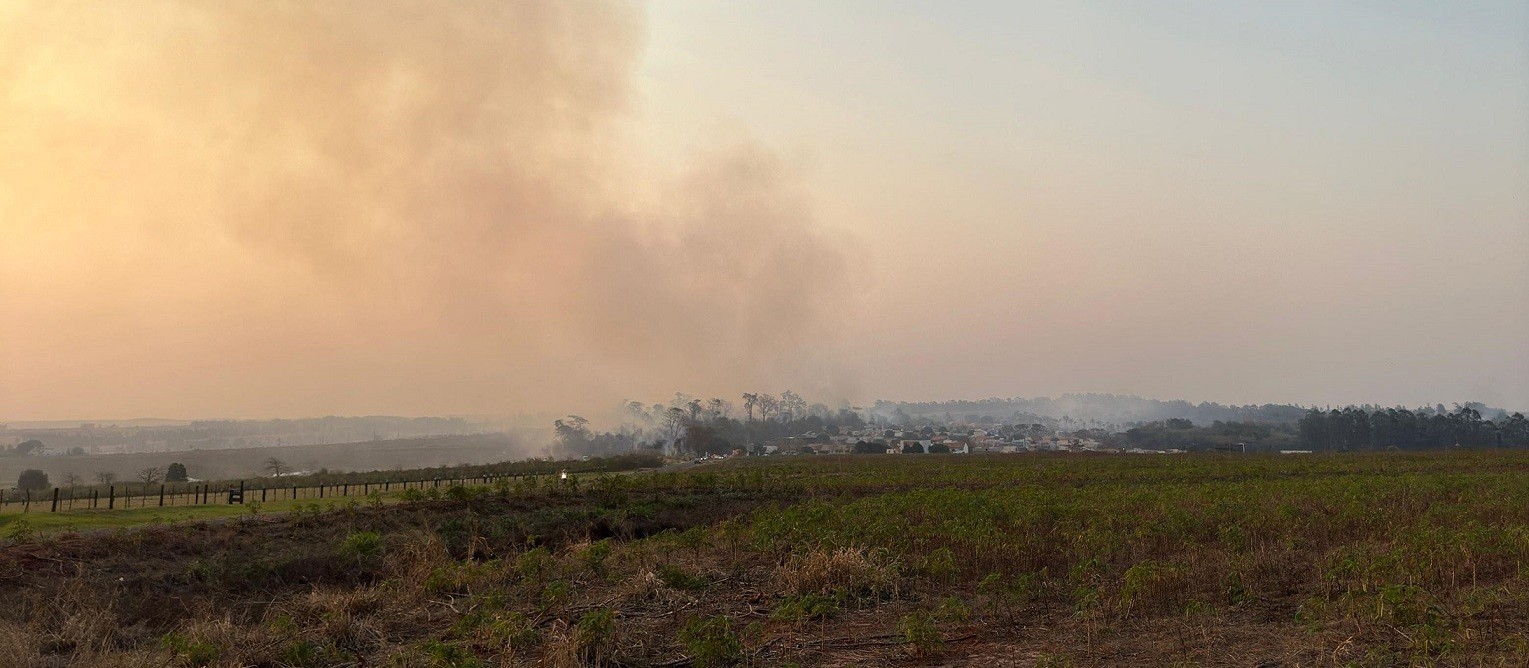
x: 86, y: 519
x: 677, y: 578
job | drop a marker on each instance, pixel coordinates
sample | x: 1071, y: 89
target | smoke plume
x: 275, y: 208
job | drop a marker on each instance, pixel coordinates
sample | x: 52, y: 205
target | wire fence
x: 165, y: 495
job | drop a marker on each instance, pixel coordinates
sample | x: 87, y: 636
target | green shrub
x: 362, y: 546
x: 21, y: 531
x: 920, y: 633
x: 594, y: 556
x: 534, y: 563
x: 806, y: 607
x: 594, y: 635
x: 711, y: 641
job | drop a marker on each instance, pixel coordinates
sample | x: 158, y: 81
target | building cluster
x: 905, y: 442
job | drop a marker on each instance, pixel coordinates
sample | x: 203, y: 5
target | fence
x: 156, y: 495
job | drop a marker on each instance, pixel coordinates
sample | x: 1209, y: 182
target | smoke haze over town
x: 291, y: 209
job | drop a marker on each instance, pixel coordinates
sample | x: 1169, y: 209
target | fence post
x: 111, y: 497
x: 321, y: 490
x: 262, y: 493
x: 55, y: 500
x: 347, y: 490
x: 241, y: 492
x: 294, y: 492
x: 27, y: 504
x: 161, y: 496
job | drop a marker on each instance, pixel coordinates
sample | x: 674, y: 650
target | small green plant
x: 952, y: 609
x: 594, y: 635
x: 806, y: 607
x: 362, y: 547
x: 446, y: 655
x: 1005, y: 594
x: 1235, y: 593
x: 1152, y: 585
x: 937, y: 565
x: 711, y: 641
x: 594, y: 556
x: 310, y: 654
x: 675, y: 577
x: 920, y: 633
x: 534, y: 563
x: 21, y: 531
x: 1053, y: 661
x: 555, y: 592
x: 190, y: 652
x: 515, y: 629
x: 693, y: 538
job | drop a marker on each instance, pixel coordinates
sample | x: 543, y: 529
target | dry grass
x: 846, y: 571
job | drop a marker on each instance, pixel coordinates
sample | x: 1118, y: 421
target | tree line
x: 692, y: 425
x: 1381, y: 429
x: 37, y: 479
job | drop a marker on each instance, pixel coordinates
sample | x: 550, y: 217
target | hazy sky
x: 281, y: 209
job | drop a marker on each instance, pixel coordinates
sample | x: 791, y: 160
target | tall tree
x: 32, y: 480
x: 150, y: 475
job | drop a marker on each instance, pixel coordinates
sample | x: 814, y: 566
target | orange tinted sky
x: 279, y: 209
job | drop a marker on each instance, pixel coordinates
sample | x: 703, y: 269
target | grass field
x: 246, y: 462
x: 1065, y: 560
x: 85, y: 520
x: 137, y: 504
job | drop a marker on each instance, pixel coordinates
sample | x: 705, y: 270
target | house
x: 910, y: 446
x: 838, y: 448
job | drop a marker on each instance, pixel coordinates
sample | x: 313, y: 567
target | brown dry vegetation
x: 1374, y: 560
